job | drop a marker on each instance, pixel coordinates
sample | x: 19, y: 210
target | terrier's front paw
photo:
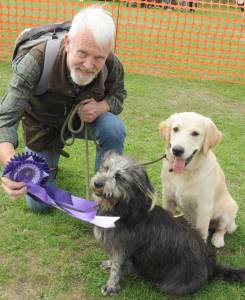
x: 108, y: 290
x: 105, y: 264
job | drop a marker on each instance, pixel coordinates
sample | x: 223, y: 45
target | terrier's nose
x: 99, y: 184
x: 178, y: 150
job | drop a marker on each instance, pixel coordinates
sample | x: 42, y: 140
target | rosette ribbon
x: 34, y: 171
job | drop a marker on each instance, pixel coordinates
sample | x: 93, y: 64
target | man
x: 85, y: 71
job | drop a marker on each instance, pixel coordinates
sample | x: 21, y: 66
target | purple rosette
x: 34, y: 171
x: 27, y: 167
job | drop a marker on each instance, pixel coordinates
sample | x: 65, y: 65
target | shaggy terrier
x: 146, y: 239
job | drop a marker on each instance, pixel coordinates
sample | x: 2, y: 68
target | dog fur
x: 147, y: 240
x: 192, y: 179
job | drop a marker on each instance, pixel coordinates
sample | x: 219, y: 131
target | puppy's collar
x: 170, y: 170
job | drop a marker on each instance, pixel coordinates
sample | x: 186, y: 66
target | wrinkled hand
x: 13, y: 189
x: 91, y: 109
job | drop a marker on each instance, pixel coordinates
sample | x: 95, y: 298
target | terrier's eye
x: 176, y: 129
x: 106, y: 168
x: 118, y: 176
x: 195, y: 133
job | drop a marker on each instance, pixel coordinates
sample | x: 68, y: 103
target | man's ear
x: 212, y: 138
x: 67, y: 42
x: 165, y: 130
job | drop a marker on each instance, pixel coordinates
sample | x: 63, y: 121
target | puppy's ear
x: 212, y: 138
x: 165, y: 129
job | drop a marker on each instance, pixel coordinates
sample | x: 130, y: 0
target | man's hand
x: 13, y: 189
x: 91, y: 109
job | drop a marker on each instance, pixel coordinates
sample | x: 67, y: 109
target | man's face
x: 84, y: 58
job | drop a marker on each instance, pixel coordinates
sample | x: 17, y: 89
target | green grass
x: 54, y: 256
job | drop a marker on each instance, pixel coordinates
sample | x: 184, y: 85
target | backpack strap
x: 51, y: 51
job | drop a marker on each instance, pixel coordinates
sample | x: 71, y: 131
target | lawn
x: 53, y: 256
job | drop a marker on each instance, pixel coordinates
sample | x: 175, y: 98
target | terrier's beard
x: 80, y: 79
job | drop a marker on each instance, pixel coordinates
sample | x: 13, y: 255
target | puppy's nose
x: 99, y: 184
x: 178, y: 150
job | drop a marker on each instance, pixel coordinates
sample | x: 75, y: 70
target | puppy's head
x: 121, y: 184
x: 187, y: 134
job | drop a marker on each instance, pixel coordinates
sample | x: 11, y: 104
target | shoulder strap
x: 51, y: 51
x: 33, y: 36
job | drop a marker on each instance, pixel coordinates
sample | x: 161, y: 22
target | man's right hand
x: 13, y: 189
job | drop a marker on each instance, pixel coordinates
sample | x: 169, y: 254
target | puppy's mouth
x: 180, y: 164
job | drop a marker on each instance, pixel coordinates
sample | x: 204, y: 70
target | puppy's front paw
x: 108, y: 290
x: 218, y: 240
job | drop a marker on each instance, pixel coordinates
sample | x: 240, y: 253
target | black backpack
x: 52, y: 35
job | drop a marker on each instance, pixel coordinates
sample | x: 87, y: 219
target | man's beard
x: 80, y: 79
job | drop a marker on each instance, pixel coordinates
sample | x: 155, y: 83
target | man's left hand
x: 92, y: 109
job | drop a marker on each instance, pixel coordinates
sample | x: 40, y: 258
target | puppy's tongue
x: 178, y: 165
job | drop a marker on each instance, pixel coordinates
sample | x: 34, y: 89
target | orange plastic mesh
x: 192, y: 39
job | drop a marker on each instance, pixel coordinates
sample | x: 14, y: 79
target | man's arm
x: 115, y: 89
x: 26, y: 73
x: 13, y: 104
x: 6, y: 152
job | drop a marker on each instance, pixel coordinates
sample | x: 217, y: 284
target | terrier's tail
x: 229, y: 274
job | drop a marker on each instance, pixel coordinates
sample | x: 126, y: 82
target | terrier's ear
x: 212, y: 138
x: 165, y: 130
x: 109, y: 154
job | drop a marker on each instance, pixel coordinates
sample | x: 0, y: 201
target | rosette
x: 27, y: 167
x: 34, y: 171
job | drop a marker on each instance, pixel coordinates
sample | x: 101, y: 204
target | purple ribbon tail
x: 64, y: 201
x: 85, y: 216
x: 65, y: 198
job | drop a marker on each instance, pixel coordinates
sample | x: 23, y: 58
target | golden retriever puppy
x: 192, y: 179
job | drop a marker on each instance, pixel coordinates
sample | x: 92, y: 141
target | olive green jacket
x: 43, y: 116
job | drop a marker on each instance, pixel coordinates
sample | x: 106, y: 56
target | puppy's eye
x: 176, y: 129
x: 195, y: 133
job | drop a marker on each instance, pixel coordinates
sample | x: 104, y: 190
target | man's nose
x: 89, y: 63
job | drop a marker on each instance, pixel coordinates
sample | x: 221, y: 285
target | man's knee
x: 36, y: 205
x: 113, y: 127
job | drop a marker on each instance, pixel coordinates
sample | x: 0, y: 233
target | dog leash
x: 87, y: 133
x: 83, y: 125
x: 154, y: 161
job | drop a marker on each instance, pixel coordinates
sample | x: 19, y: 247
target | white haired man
x: 85, y: 71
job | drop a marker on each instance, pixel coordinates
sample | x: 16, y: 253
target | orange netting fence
x: 202, y: 39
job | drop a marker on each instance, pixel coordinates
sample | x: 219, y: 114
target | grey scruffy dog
x: 147, y: 239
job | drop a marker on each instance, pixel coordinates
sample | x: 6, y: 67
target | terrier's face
x: 120, y: 179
